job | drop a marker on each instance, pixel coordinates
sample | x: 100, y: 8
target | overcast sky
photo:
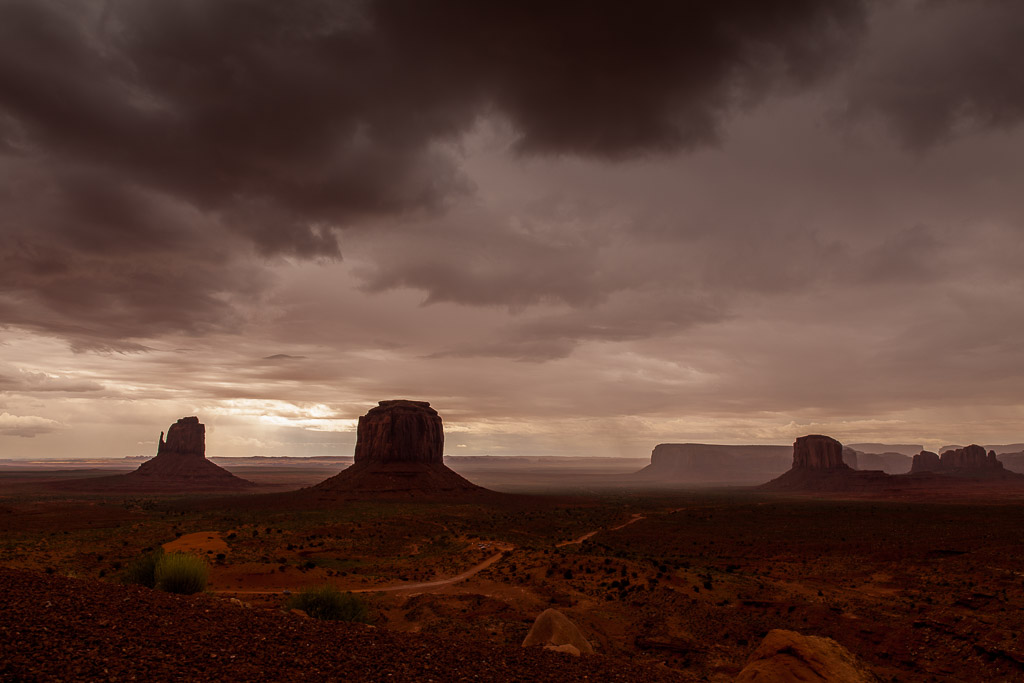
x: 576, y: 228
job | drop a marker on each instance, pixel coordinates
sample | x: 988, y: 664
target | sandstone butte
x: 399, y: 452
x: 818, y: 466
x: 180, y: 466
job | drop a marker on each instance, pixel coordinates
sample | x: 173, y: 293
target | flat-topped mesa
x: 818, y: 452
x: 926, y: 461
x: 400, y: 431
x: 970, y: 459
x: 187, y: 436
x: 717, y: 463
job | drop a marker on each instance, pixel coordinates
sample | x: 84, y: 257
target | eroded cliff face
x: 400, y: 431
x: 187, y: 436
x: 972, y: 458
x: 926, y: 461
x: 818, y: 452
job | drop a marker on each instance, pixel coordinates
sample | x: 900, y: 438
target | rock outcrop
x: 790, y: 656
x: 718, y: 463
x: 180, y: 466
x: 969, y: 460
x: 926, y: 461
x: 187, y: 436
x: 399, y: 452
x: 400, y: 431
x: 818, y: 466
x: 555, y: 631
x: 818, y: 452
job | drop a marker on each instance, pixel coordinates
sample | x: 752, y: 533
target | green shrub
x: 142, y: 570
x: 330, y: 604
x: 181, y: 573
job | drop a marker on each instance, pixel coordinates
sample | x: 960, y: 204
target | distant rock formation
x: 818, y: 466
x: 555, y: 631
x: 818, y: 452
x: 970, y: 460
x: 399, y: 451
x: 850, y: 457
x: 891, y: 462
x: 180, y: 466
x: 790, y: 656
x: 907, y: 449
x: 718, y: 463
x: 926, y: 461
x: 1013, y: 461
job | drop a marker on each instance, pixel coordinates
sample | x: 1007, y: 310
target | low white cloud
x: 26, y: 426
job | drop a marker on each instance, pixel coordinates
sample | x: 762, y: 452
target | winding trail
x: 428, y: 586
x: 576, y: 541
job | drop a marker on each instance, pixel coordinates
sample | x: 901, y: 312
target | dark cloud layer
x: 155, y: 157
x: 943, y: 69
x: 140, y: 138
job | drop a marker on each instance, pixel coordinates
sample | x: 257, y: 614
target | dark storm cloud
x: 153, y: 152
x: 281, y: 123
x: 943, y: 68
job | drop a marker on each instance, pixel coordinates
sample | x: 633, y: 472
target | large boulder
x: 788, y: 657
x: 818, y: 452
x: 400, y: 431
x: 555, y: 631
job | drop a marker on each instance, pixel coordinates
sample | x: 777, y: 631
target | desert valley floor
x: 667, y: 585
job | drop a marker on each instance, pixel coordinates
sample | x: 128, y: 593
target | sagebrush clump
x: 142, y: 570
x: 330, y: 604
x: 181, y: 573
